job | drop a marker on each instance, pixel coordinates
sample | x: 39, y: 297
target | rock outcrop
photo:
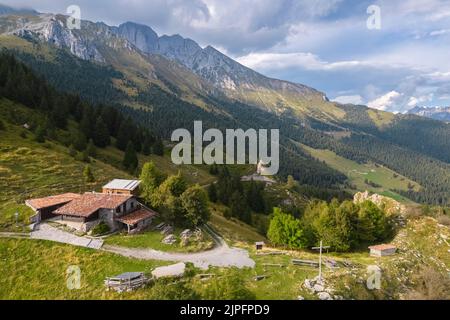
x: 390, y: 205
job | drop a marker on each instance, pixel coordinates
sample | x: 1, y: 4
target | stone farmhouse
x: 117, y: 206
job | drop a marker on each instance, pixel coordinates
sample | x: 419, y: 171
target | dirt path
x: 220, y: 256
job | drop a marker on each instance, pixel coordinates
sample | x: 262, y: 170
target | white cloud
x: 439, y: 32
x: 354, y: 99
x: 387, y: 102
x: 419, y: 101
x: 305, y: 60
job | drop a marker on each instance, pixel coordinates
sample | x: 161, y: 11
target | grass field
x: 152, y: 239
x: 357, y: 174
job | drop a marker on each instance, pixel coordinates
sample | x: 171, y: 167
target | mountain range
x: 437, y: 113
x: 167, y: 82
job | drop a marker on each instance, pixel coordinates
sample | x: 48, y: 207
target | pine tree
x: 147, y: 145
x: 72, y: 151
x: 101, y: 134
x: 90, y: 149
x: 158, y: 147
x: 239, y: 208
x: 212, y: 192
x: 214, y: 169
x: 79, y: 140
x: 124, y: 135
x: 88, y: 175
x: 40, y: 134
x: 130, y: 160
x: 86, y: 124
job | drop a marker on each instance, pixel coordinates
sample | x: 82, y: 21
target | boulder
x: 325, y: 296
x: 167, y: 230
x: 170, y: 239
x: 186, y: 233
x: 318, y: 288
x: 175, y: 270
x: 308, y: 285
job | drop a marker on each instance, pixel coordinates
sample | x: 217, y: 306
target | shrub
x: 100, y: 229
x: 88, y: 175
x: 285, y: 230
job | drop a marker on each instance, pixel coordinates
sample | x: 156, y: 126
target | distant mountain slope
x: 436, y: 113
x: 5, y: 10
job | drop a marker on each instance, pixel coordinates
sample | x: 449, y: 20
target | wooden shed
x: 259, y: 245
x: 382, y: 250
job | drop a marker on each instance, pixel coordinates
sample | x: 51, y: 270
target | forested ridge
x: 97, y: 126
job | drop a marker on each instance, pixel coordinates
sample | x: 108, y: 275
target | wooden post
x: 320, y: 257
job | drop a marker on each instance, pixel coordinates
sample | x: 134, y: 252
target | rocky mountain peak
x: 141, y: 36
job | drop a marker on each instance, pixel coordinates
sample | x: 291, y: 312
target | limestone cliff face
x: 390, y: 205
x: 52, y: 29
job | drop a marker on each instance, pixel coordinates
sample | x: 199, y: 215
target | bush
x: 101, y: 228
x: 285, y: 230
x: 444, y: 220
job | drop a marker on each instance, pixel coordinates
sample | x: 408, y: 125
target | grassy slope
x: 358, y: 173
x: 29, y: 169
x: 32, y: 272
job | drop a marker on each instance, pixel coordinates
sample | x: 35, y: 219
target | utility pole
x: 320, y: 257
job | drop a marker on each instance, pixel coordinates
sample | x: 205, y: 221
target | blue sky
x: 325, y: 44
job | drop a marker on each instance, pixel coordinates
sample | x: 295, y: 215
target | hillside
x: 165, y: 83
x: 29, y: 169
x: 368, y: 176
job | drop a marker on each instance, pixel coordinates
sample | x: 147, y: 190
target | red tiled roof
x: 89, y: 203
x: 41, y: 203
x: 383, y: 247
x: 137, y: 216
